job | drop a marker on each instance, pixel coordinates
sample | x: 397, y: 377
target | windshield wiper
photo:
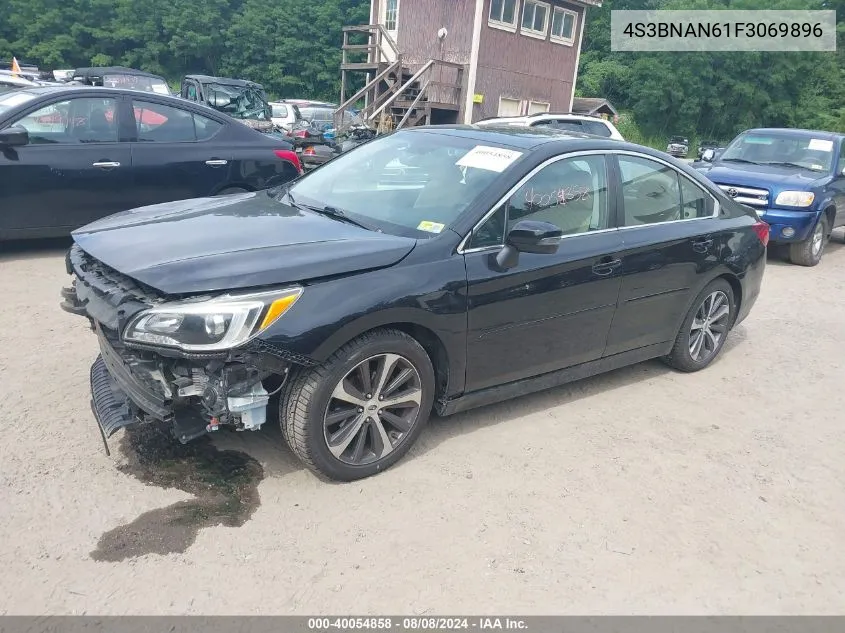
x: 330, y: 211
x: 740, y: 160
x: 788, y: 164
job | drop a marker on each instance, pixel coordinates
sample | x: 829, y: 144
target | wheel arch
x: 736, y: 286
x: 829, y: 211
x: 446, y: 373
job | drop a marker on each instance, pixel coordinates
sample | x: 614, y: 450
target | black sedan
x: 72, y: 155
x: 501, y: 262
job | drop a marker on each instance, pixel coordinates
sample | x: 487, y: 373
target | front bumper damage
x: 194, y: 393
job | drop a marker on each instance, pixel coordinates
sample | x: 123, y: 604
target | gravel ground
x: 641, y: 491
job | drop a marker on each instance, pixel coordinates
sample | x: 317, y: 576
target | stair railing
x: 413, y: 104
x: 397, y: 92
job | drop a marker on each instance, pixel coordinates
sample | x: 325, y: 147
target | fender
x: 330, y: 313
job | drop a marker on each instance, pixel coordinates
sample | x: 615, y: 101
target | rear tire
x: 335, y: 429
x: 705, y: 328
x: 810, y: 251
x: 231, y: 191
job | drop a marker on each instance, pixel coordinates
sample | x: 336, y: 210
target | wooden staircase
x: 395, y: 94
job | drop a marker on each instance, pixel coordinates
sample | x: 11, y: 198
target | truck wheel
x: 360, y: 411
x: 705, y: 328
x: 809, y: 252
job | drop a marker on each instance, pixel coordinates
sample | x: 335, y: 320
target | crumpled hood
x: 233, y: 242
x: 761, y: 176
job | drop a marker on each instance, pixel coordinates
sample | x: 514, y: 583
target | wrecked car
x: 241, y: 99
x: 436, y: 268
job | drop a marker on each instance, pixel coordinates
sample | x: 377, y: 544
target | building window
x: 563, y: 26
x: 503, y: 14
x: 391, y: 15
x: 535, y: 18
x: 537, y: 106
x: 509, y: 107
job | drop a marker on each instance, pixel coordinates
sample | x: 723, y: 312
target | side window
x: 205, y: 127
x: 841, y: 165
x: 72, y: 121
x: 162, y: 124
x: 492, y: 232
x: 597, y: 128
x: 570, y: 193
x: 650, y: 191
x: 695, y: 202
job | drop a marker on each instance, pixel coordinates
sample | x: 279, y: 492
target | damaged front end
x: 193, y: 362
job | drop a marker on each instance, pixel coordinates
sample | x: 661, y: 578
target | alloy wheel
x: 372, y: 409
x: 709, y: 326
x: 818, y: 239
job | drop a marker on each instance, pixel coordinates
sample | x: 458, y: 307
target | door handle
x: 702, y: 246
x: 105, y: 164
x: 606, y: 266
x: 216, y: 163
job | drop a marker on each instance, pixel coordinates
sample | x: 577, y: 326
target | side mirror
x: 708, y: 155
x: 528, y: 236
x: 15, y: 136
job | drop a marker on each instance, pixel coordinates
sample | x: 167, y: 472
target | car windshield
x: 136, y: 82
x: 245, y: 102
x: 804, y: 151
x: 410, y: 183
x: 15, y: 98
x: 677, y: 139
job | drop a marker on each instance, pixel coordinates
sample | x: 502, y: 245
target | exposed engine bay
x: 196, y: 392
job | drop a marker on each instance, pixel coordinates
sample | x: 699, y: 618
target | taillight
x: 762, y: 231
x: 291, y: 157
x: 309, y: 151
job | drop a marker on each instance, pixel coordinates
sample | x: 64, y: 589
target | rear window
x: 280, y: 111
x: 317, y: 114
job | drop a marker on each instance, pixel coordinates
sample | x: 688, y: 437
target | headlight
x: 211, y: 325
x: 795, y: 198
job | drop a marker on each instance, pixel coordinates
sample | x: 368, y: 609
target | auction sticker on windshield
x: 820, y: 145
x: 489, y: 158
x: 431, y: 227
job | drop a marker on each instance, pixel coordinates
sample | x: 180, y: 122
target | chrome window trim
x: 461, y: 250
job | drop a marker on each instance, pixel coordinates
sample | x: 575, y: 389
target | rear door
x: 549, y: 311
x: 671, y: 239
x: 175, y: 155
x: 74, y: 170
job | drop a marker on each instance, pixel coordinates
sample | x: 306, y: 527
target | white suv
x: 570, y: 122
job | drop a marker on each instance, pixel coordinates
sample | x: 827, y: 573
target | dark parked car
x: 513, y: 261
x: 794, y: 179
x: 71, y: 155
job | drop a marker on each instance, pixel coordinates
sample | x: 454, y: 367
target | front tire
x: 705, y: 328
x: 360, y: 411
x: 810, y: 251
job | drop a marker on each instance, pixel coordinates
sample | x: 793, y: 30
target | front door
x: 549, y: 311
x: 389, y: 19
x: 74, y: 170
x: 671, y: 241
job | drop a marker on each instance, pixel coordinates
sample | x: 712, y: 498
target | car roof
x: 539, y: 116
x: 224, y: 80
x: 77, y: 89
x: 796, y: 132
x: 522, y: 137
x: 96, y: 71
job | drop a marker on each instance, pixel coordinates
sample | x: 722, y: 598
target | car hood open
x: 233, y: 242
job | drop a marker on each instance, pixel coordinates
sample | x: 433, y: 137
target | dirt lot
x: 641, y: 491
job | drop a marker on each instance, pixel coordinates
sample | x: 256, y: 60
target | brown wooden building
x: 442, y: 61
